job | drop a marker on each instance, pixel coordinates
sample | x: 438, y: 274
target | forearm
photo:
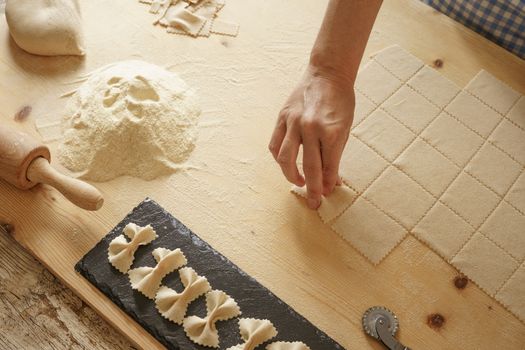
x: 343, y: 36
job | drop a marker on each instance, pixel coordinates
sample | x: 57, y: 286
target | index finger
x: 313, y: 171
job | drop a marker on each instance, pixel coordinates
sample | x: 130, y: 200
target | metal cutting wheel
x: 382, y: 324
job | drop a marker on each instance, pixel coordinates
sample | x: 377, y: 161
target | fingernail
x: 339, y: 181
x: 313, y: 203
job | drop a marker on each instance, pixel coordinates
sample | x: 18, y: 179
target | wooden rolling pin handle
x: 17, y: 151
x: 78, y: 192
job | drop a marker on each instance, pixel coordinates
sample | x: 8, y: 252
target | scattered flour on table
x: 129, y: 118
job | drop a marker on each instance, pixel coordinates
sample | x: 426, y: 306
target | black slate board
x: 254, y: 299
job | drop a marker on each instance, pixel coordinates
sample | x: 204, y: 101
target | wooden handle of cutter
x: 78, y: 192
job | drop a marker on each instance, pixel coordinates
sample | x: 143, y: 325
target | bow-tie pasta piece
x: 121, y: 253
x: 254, y: 332
x: 283, y: 345
x: 173, y: 305
x: 221, y: 307
x: 147, y: 279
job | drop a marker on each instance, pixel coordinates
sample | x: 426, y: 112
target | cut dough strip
x: 173, y: 305
x: 220, y: 307
x: 147, y: 279
x: 254, y: 332
x: 121, y: 253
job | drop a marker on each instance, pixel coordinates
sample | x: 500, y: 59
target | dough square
x: 516, y: 195
x: 369, y: 230
x: 473, y: 113
x: 470, y: 199
x: 443, y: 230
x: 494, y: 168
x: 512, y: 294
x: 517, y: 113
x: 427, y: 167
x: 411, y: 109
x: 384, y: 134
x: 360, y: 165
x: 492, y: 91
x: 506, y: 227
x: 400, y: 196
x: 434, y: 86
x: 398, y: 61
x: 511, y: 139
x: 333, y: 205
x: 485, y: 263
x: 376, y: 82
x: 363, y: 107
x: 454, y: 140
x: 224, y: 28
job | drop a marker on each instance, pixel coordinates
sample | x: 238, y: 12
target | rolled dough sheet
x: 447, y: 165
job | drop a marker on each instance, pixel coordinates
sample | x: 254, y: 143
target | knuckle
x: 309, y: 168
x: 283, y: 114
x: 310, y: 124
x: 283, y: 160
x: 294, y: 117
x: 286, y: 113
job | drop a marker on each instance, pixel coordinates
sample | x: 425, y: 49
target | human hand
x: 318, y: 114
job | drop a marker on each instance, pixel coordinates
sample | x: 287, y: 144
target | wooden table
x: 235, y: 197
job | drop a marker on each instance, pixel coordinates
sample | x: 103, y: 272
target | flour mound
x: 129, y: 118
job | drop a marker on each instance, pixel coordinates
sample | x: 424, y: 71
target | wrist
x: 322, y: 65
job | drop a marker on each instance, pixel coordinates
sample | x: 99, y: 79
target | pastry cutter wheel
x: 382, y: 324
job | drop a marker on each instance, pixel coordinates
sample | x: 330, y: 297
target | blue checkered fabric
x: 502, y: 21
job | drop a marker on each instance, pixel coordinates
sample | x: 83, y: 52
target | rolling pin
x: 24, y: 162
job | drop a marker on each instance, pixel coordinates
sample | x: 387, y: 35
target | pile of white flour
x: 129, y: 118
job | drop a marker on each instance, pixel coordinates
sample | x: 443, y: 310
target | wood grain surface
x: 39, y: 312
x: 234, y: 196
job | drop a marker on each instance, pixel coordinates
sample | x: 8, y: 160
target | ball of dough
x: 46, y: 27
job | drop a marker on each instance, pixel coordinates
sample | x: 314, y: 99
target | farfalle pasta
x: 121, y: 253
x: 220, y: 307
x: 254, y: 332
x: 147, y: 279
x: 173, y: 305
x: 283, y: 345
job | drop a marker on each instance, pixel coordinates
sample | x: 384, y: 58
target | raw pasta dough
x: 46, y: 27
x: 173, y: 305
x: 121, y: 253
x: 221, y: 307
x: 192, y: 17
x: 254, y: 332
x: 443, y: 164
x: 147, y: 279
